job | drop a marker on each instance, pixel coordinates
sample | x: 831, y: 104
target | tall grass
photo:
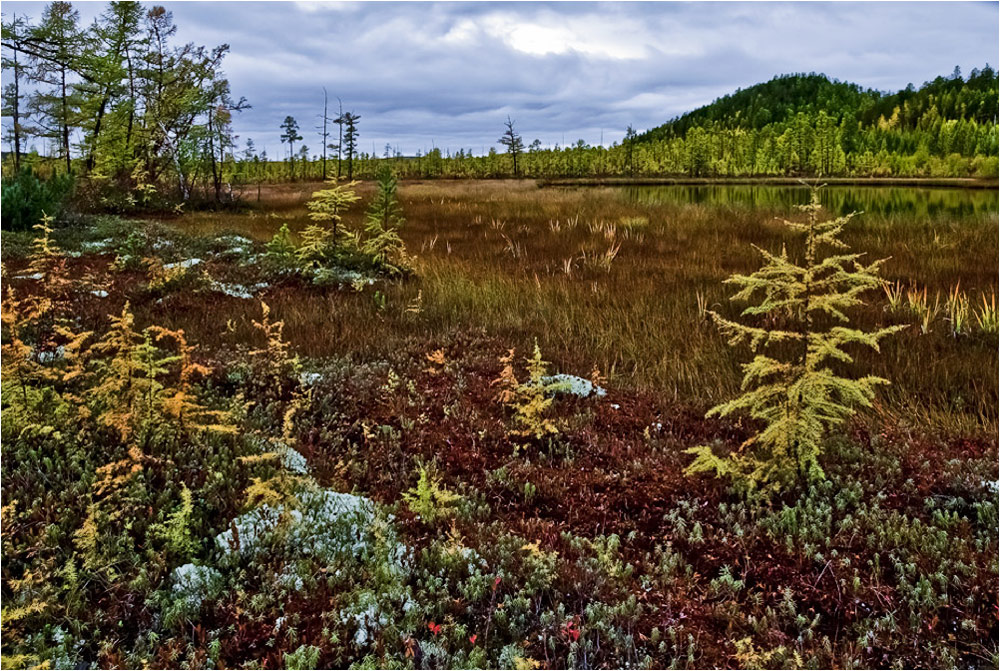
x: 603, y: 279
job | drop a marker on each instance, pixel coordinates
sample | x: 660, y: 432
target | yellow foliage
x: 161, y: 277
x: 532, y: 401
x: 507, y: 381
x: 437, y: 361
x: 180, y: 403
x: 48, y: 261
x: 274, y: 491
x: 273, y: 360
x: 116, y: 474
x: 429, y: 499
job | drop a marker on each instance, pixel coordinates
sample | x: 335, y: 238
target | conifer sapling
x: 794, y: 390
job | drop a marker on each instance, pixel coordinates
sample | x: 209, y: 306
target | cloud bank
x: 447, y: 75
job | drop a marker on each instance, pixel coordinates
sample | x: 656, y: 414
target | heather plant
x: 794, y: 391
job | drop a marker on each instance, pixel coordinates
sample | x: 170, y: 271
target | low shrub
x: 27, y: 198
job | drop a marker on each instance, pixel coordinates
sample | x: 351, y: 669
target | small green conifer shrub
x: 795, y: 390
x: 382, y: 223
x: 279, y: 253
x: 430, y: 499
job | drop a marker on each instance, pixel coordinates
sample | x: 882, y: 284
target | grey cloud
x: 449, y: 73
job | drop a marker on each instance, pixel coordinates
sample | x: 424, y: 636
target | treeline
x: 118, y: 101
x: 149, y: 123
x: 791, y: 125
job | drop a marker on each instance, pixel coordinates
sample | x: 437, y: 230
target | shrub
x: 795, y: 393
x: 429, y: 499
x: 27, y: 198
x: 530, y: 400
x: 325, y: 238
x: 279, y: 253
x: 382, y: 222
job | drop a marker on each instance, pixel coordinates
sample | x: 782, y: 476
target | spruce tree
x: 795, y: 391
x: 512, y: 140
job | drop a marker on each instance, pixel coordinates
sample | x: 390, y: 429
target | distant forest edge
x: 146, y: 122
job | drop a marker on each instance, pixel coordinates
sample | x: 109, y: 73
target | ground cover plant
x: 211, y: 460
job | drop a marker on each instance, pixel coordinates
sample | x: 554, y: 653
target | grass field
x: 601, y: 279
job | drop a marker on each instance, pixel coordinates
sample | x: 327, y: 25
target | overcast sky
x: 448, y: 74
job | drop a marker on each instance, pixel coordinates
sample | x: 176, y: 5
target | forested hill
x: 786, y: 96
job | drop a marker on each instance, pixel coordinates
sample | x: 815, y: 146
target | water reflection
x: 914, y: 201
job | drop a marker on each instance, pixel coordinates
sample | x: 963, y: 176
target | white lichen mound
x: 573, y: 385
x: 186, y: 263
x: 309, y: 379
x: 341, y: 276
x: 323, y: 524
x: 97, y: 245
x: 193, y: 584
x: 249, y: 532
x: 238, y: 290
x: 234, y: 245
x: 294, y: 461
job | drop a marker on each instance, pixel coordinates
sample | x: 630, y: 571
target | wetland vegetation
x: 253, y: 419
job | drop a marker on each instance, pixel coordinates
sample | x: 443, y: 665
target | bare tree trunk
x: 16, y: 109
x: 324, y: 131
x: 65, y: 121
x: 132, y: 100
x: 340, y: 137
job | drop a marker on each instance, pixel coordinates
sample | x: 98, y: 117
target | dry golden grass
x: 574, y: 268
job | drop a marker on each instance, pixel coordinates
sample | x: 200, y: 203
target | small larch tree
x: 382, y: 223
x: 794, y: 391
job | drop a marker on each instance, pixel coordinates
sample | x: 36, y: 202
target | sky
x: 447, y: 75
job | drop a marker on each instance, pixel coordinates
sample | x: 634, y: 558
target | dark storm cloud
x: 448, y: 74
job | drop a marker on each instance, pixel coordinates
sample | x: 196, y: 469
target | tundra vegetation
x: 405, y: 423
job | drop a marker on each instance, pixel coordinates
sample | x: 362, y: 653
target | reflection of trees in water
x: 918, y: 201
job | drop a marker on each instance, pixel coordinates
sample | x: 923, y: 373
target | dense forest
x: 147, y: 123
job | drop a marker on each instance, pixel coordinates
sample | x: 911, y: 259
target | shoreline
x: 926, y: 182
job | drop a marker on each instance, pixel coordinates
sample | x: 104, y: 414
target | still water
x: 903, y: 200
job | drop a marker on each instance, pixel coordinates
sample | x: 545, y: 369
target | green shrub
x: 795, y: 391
x: 26, y: 199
